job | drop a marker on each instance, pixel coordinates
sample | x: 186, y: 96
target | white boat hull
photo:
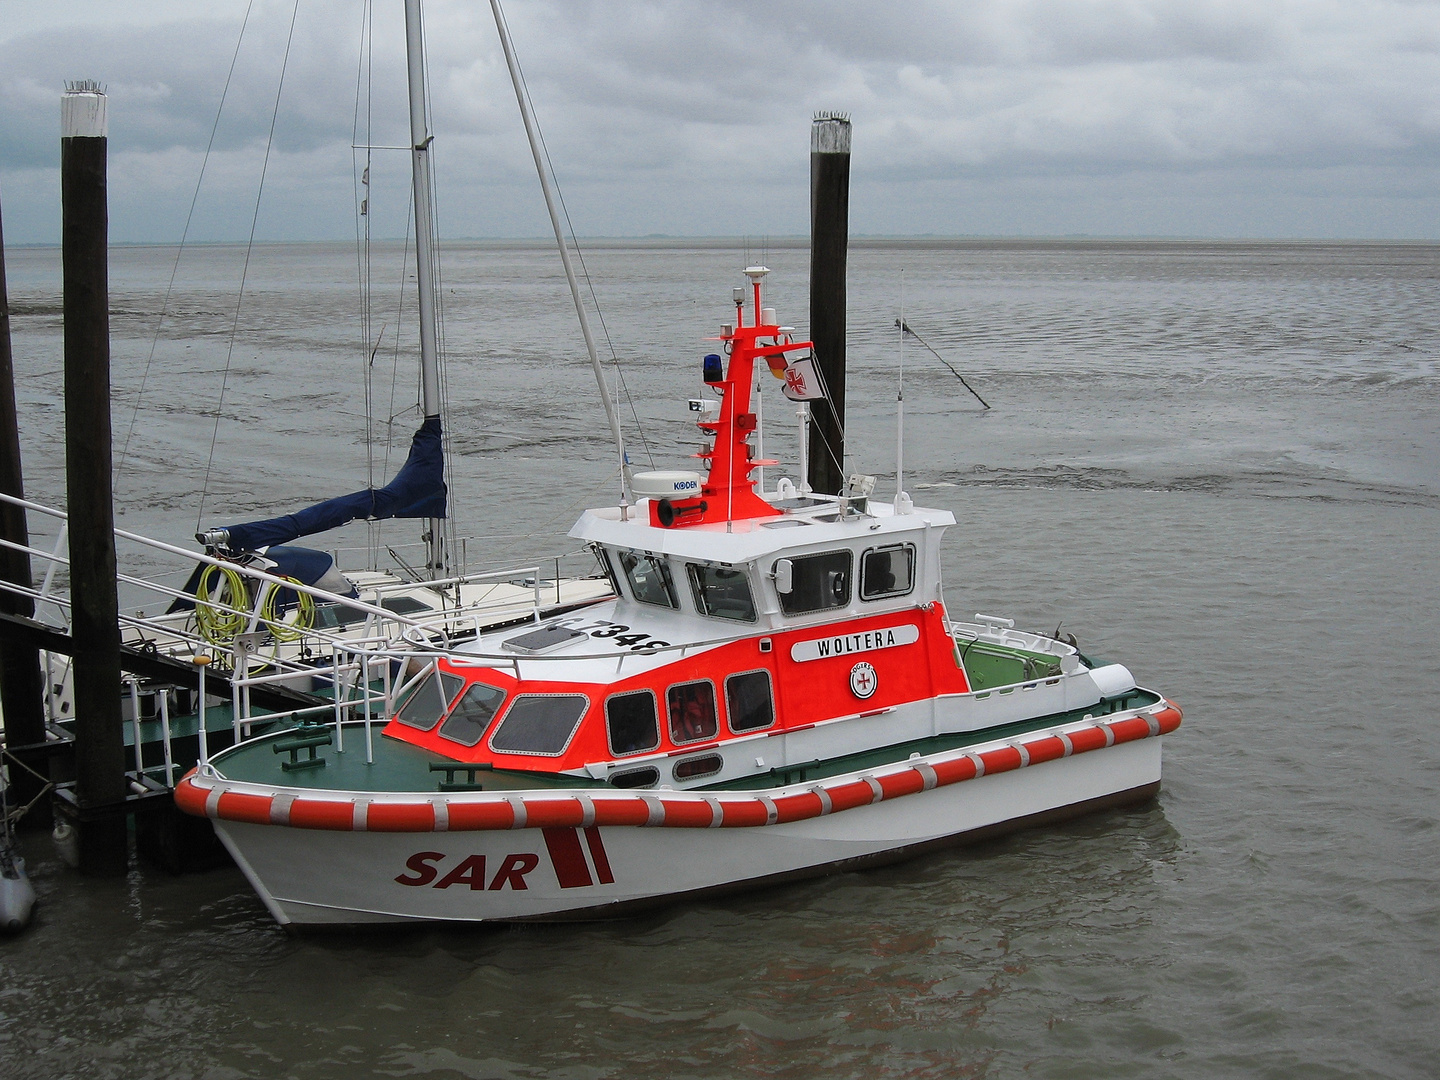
x: 310, y: 877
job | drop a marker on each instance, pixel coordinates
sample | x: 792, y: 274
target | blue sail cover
x: 418, y: 491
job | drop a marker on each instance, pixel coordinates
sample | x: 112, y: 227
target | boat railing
x: 353, y: 674
x: 254, y: 655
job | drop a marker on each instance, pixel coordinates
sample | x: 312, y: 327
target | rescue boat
x: 774, y: 690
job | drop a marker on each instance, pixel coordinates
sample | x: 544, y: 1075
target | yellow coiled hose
x: 222, y: 587
x: 304, y: 614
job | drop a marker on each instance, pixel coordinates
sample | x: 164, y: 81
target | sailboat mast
x: 424, y: 255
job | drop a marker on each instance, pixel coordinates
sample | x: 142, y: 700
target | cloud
x: 690, y: 116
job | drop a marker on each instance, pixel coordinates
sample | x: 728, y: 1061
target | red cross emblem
x: 863, y: 680
x: 794, y: 381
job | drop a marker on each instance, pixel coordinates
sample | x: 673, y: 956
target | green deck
x: 988, y: 665
x: 399, y: 766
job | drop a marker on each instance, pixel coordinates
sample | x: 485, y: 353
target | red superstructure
x: 729, y: 490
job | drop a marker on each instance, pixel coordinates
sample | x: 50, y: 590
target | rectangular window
x: 539, y: 724
x: 821, y: 582
x: 749, y: 702
x: 606, y: 567
x: 721, y: 592
x: 887, y: 571
x: 472, y: 714
x: 692, y: 711
x: 631, y: 724
x: 649, y: 578
x: 429, y: 700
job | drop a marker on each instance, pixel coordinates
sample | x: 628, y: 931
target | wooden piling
x: 99, y: 742
x: 22, y: 687
x: 829, y: 243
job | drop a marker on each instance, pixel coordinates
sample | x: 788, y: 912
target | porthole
x: 696, y: 767
x: 636, y: 778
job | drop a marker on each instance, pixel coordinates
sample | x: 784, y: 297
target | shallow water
x: 1216, y: 463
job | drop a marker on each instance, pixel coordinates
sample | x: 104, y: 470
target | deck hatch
x: 542, y: 640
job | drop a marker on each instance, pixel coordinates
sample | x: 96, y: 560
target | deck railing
x: 269, y: 651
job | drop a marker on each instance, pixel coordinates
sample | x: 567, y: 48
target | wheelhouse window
x: 472, y: 714
x: 887, y: 571
x: 749, y: 702
x: 539, y: 724
x: 649, y: 578
x: 721, y: 592
x: 607, y: 567
x: 820, y: 582
x: 631, y: 723
x: 692, y: 712
x: 428, y: 702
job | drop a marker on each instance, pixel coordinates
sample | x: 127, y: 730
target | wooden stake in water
x: 829, y: 244
x: 21, y: 683
x: 99, y: 735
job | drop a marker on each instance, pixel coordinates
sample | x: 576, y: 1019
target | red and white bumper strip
x: 225, y: 800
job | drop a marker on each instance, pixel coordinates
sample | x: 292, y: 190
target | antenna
x: 900, y: 407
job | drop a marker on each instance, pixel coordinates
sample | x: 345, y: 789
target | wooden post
x: 22, y: 689
x: 99, y: 739
x: 829, y: 240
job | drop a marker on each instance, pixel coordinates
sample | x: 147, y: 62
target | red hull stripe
x: 598, y: 856
x: 562, y: 818
x: 569, y: 860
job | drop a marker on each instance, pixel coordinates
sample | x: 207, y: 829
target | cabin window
x: 722, y: 592
x: 821, y: 582
x: 649, y: 776
x: 539, y: 724
x: 631, y: 724
x: 472, y: 714
x: 749, y: 702
x: 695, y: 767
x: 692, y: 711
x: 649, y: 578
x: 427, y: 703
x: 887, y: 571
x: 606, y: 567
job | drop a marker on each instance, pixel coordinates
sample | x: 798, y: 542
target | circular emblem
x: 863, y: 680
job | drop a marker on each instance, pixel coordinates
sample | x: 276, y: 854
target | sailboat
x: 774, y: 689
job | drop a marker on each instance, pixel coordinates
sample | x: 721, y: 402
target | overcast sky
x: 1219, y: 118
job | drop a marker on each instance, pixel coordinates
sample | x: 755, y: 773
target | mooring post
x: 829, y: 241
x: 99, y: 737
x: 22, y: 688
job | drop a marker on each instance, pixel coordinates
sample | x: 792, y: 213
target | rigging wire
x: 904, y: 328
x: 244, y: 273
x: 579, y: 253
x: 364, y: 66
x: 184, y: 235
